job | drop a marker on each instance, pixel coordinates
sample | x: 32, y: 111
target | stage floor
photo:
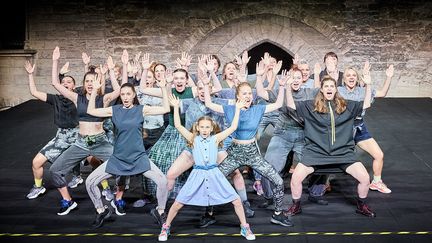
x: 401, y: 126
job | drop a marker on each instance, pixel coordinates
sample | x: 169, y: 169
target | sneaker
x: 107, y: 194
x: 246, y: 232
x: 101, y: 217
x: 207, y: 220
x: 76, y: 180
x: 318, y: 200
x: 35, y: 192
x: 165, y: 232
x: 379, y: 186
x: 159, y: 219
x: 248, y: 210
x: 363, y: 208
x: 119, y: 206
x: 281, y: 219
x: 294, y: 209
x: 66, y: 206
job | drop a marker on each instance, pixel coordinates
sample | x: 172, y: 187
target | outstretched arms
x: 33, y: 90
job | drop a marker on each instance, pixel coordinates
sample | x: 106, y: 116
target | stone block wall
x: 385, y: 33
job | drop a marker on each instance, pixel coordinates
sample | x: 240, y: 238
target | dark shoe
x: 101, y: 217
x: 160, y: 219
x: 249, y: 213
x: 318, y: 200
x: 119, y: 207
x: 207, y: 220
x: 66, y: 207
x: 267, y: 203
x: 294, y: 209
x: 363, y: 208
x: 281, y: 219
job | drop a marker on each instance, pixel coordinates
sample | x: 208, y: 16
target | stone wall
x: 384, y: 33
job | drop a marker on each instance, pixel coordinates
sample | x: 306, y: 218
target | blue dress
x: 206, y: 185
x: 129, y: 156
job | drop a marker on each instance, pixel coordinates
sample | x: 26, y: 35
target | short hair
x: 330, y: 54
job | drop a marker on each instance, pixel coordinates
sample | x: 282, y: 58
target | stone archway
x: 243, y: 33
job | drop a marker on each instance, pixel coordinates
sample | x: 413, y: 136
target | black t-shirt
x: 65, y: 112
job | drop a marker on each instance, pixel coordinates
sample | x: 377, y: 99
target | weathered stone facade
x: 382, y: 32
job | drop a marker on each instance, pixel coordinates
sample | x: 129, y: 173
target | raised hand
x: 245, y: 58
x: 65, y: 68
x: 289, y: 77
x: 56, y: 54
x: 29, y: 67
x: 104, y: 69
x: 284, y: 78
x: 145, y: 61
x: 85, y: 58
x: 125, y: 57
x: 260, y: 68
x: 110, y: 63
x: 210, y: 63
x: 317, y: 69
x: 174, y: 101
x: 169, y: 75
x: 277, y: 67
x: 390, y: 71
x: 137, y: 57
x: 97, y: 81
x: 185, y: 60
x: 366, y: 67
x: 296, y: 59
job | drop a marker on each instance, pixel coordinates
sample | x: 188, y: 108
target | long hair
x: 135, y: 101
x: 91, y: 72
x: 320, y: 101
x: 225, y: 66
x: 194, y: 130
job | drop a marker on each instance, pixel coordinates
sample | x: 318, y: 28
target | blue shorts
x: 361, y: 133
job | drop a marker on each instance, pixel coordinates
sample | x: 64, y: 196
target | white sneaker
x: 35, y: 192
x: 246, y: 232
x: 76, y: 180
x: 379, y: 186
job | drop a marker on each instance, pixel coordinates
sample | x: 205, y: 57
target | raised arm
x: 383, y: 91
x: 210, y: 68
x: 279, y: 101
x: 86, y: 61
x: 145, y: 64
x: 368, y: 93
x: 177, y: 123
x: 224, y: 134
x: 260, y: 74
x: 91, y: 108
x: 317, y: 71
x: 55, y: 78
x: 208, y: 101
x: 159, y: 110
x: 33, y: 90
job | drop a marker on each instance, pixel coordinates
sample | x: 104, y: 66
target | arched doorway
x: 275, y: 51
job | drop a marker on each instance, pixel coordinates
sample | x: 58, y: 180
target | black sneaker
x: 364, y: 209
x: 318, y: 200
x: 249, y: 213
x: 281, y: 219
x: 160, y: 219
x: 207, y: 220
x: 119, y: 206
x: 294, y: 209
x: 101, y: 217
x: 66, y: 207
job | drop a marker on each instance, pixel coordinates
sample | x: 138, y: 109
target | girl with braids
x: 206, y: 185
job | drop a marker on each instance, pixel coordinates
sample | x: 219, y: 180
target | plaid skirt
x: 163, y: 153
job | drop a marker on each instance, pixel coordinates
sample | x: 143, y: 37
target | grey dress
x: 327, y: 143
x: 129, y: 156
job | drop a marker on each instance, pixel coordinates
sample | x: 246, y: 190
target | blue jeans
x: 281, y: 144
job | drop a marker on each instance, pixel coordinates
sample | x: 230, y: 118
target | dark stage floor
x: 402, y: 127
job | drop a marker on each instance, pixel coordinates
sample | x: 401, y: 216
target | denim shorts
x: 361, y: 133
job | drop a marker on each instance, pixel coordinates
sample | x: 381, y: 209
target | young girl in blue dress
x: 206, y: 185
